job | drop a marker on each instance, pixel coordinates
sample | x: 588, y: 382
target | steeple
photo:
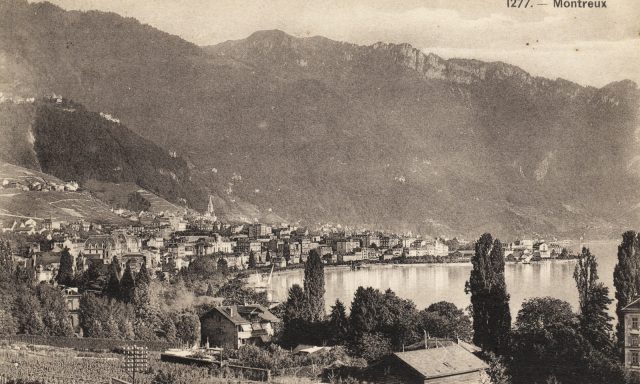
x: 210, y: 210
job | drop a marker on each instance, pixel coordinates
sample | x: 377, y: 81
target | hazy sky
x: 589, y: 46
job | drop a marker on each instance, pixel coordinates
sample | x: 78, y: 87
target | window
x: 635, y: 358
x: 634, y: 323
x: 635, y: 340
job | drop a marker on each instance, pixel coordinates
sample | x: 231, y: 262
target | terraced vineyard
x: 65, y: 366
x: 16, y: 204
x: 117, y: 194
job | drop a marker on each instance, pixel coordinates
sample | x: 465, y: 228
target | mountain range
x: 319, y: 131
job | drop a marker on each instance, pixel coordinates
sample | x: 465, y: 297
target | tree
x: 540, y: 313
x: 373, y: 346
x: 141, y: 296
x: 399, y: 320
x: 96, y: 277
x: 202, y: 267
x: 489, y: 297
x: 497, y: 371
x: 65, y: 273
x: 8, y: 324
x: 595, y: 322
x: 28, y: 313
x: 286, y: 252
x: 365, y: 311
x: 223, y: 266
x: 235, y: 293
x: 101, y: 317
x: 6, y: 262
x: 296, y: 316
x: 546, y: 343
x: 443, y: 319
x: 626, y: 278
x: 210, y: 291
x: 188, y: 329
x: 338, y: 323
x: 314, y: 285
x: 169, y: 329
x: 54, y: 312
x: 112, y: 290
x: 127, y: 285
x: 252, y: 260
x: 136, y: 202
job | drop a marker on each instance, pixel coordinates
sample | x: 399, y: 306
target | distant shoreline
x: 381, y: 265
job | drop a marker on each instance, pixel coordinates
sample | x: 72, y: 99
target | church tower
x: 210, y: 210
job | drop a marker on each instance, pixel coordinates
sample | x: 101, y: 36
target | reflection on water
x: 429, y: 283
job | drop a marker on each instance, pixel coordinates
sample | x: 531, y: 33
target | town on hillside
x: 167, y: 243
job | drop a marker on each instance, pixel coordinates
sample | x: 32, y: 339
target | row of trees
x: 27, y: 308
x: 549, y: 343
x: 116, y: 304
x: 379, y: 322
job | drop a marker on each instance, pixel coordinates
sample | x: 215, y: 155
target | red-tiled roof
x: 443, y: 361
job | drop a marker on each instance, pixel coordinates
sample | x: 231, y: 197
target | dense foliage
x: 595, y: 322
x: 136, y: 202
x: 547, y: 345
x: 66, y: 144
x: 65, y: 272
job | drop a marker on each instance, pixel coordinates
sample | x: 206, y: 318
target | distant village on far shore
x: 166, y: 242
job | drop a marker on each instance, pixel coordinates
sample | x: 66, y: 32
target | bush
x: 373, y: 346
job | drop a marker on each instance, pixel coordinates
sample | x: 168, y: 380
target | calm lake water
x: 429, y: 283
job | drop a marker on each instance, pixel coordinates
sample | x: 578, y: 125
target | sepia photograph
x: 329, y: 191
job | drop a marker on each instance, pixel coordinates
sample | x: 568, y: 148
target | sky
x: 588, y: 46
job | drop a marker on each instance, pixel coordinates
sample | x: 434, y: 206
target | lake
x: 428, y: 283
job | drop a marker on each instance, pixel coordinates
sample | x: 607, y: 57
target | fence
x: 88, y: 344
x: 45, y: 380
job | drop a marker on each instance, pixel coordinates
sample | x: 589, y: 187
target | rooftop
x: 443, y: 361
x: 241, y: 314
x: 634, y: 306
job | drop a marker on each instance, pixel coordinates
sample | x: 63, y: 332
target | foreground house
x: 632, y: 335
x: 445, y: 364
x: 233, y: 326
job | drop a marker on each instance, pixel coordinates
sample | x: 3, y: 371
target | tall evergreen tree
x: 127, y: 285
x: 314, y: 285
x: 210, y: 291
x: 295, y: 317
x: 366, y: 309
x: 6, y: 263
x: 252, y: 260
x: 626, y: 278
x: 141, y: 292
x: 595, y: 322
x: 222, y: 265
x: 489, y: 297
x: 338, y: 323
x: 112, y: 290
x: 286, y: 252
x: 65, y: 273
